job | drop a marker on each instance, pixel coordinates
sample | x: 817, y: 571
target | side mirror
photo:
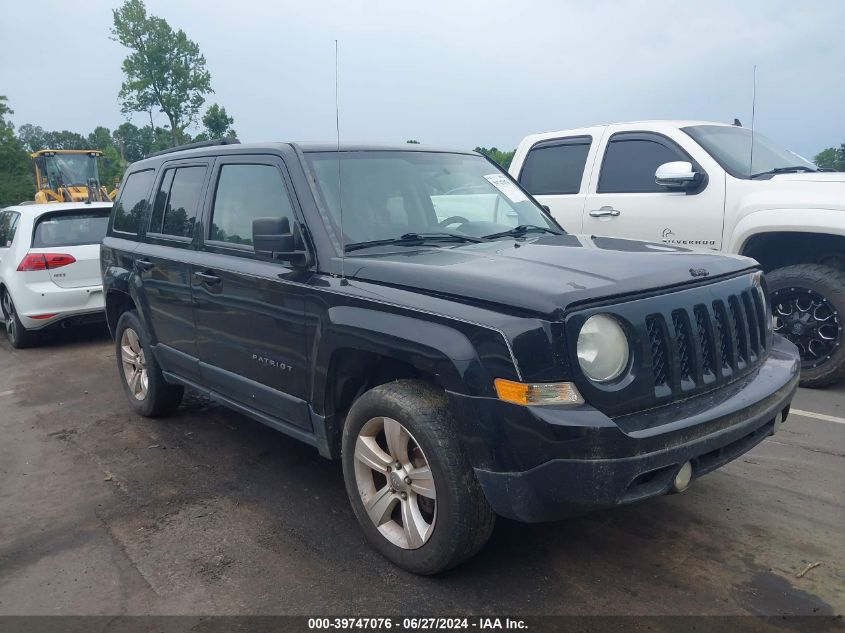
x: 677, y: 175
x: 274, y: 237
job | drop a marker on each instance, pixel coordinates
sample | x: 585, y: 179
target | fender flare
x: 431, y: 347
x: 826, y: 221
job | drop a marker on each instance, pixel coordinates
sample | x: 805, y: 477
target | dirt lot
x: 207, y: 512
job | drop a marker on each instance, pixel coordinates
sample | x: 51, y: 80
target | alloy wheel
x: 134, y: 364
x: 810, y: 321
x: 9, y: 310
x: 395, y: 482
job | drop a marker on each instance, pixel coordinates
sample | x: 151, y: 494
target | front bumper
x: 547, y: 463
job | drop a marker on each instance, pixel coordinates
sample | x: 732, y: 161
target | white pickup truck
x: 707, y: 185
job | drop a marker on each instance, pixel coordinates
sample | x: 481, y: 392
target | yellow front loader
x: 69, y: 175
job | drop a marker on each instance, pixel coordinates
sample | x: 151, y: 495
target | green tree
x: 218, y: 123
x: 498, y: 156
x: 163, y: 70
x: 16, y: 180
x: 831, y: 158
x: 412, y: 142
x: 65, y: 139
x: 32, y: 137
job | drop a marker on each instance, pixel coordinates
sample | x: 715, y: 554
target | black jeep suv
x: 416, y: 314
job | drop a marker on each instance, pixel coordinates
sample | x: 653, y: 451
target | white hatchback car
x: 50, y: 266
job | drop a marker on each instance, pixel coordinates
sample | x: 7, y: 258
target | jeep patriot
x: 414, y: 313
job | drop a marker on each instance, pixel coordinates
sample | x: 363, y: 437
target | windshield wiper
x: 522, y: 229
x: 784, y: 170
x: 413, y: 239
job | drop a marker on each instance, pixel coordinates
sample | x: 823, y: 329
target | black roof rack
x: 212, y: 143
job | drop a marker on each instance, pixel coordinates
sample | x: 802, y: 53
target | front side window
x: 731, y: 147
x: 387, y: 194
x: 630, y: 164
x: 555, y: 167
x: 177, y: 201
x: 70, y: 228
x: 244, y: 193
x: 131, y: 204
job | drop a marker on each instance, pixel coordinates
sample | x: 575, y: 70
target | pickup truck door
x: 249, y: 307
x: 623, y: 199
x: 556, y: 172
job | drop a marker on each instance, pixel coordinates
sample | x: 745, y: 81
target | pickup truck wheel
x: 808, y: 305
x: 19, y: 336
x: 409, y: 482
x: 145, y: 387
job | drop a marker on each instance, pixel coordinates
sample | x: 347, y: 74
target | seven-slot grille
x: 707, y: 344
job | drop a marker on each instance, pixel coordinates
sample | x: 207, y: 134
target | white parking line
x: 7, y: 393
x: 817, y: 416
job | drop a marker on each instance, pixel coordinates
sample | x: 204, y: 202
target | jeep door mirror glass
x: 677, y: 175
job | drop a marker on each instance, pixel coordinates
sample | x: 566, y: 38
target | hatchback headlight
x: 602, y: 348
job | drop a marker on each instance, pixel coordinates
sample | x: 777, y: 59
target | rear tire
x: 18, y: 335
x: 808, y: 302
x: 143, y: 383
x: 430, y: 509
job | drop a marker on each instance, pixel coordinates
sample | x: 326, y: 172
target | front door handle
x: 208, y: 278
x: 143, y: 265
x: 605, y: 212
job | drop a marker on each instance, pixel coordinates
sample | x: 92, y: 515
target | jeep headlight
x: 602, y: 348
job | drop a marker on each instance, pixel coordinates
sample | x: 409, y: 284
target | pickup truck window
x: 246, y: 192
x: 730, y: 146
x: 630, y: 162
x: 555, y: 167
x: 131, y: 204
x: 387, y: 194
x: 176, y: 202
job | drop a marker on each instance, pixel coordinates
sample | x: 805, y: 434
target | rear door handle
x: 605, y: 212
x: 143, y: 264
x: 208, y: 278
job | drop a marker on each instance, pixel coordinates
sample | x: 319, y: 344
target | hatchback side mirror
x: 274, y: 237
x: 677, y: 175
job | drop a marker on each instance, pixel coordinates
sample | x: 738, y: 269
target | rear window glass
x: 70, y: 229
x: 132, y: 201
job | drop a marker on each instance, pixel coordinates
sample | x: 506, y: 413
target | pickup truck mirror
x: 274, y: 237
x: 677, y: 175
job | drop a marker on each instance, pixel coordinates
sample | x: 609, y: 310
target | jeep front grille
x: 710, y: 342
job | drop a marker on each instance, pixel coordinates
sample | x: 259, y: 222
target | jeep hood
x: 541, y: 274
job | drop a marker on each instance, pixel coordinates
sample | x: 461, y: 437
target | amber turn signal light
x: 537, y: 393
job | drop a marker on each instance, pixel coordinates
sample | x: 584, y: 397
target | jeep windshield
x: 730, y: 146
x: 413, y: 197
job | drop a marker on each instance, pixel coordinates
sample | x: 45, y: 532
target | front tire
x: 408, y: 480
x: 18, y: 335
x: 808, y: 305
x: 143, y: 383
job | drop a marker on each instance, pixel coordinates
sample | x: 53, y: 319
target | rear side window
x: 246, y: 192
x: 8, y: 226
x: 177, y: 201
x: 70, y: 229
x: 629, y: 164
x: 555, y: 167
x: 132, y: 202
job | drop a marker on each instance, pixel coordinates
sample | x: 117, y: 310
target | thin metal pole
x: 339, y: 181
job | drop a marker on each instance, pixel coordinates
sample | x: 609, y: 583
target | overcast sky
x: 458, y: 73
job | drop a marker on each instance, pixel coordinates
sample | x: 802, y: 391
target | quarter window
x: 8, y: 225
x: 629, y: 165
x: 177, y: 201
x: 132, y: 203
x: 244, y: 193
x: 555, y: 167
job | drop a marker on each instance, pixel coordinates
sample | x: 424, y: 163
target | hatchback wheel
x: 18, y: 335
x: 408, y: 480
x: 143, y: 382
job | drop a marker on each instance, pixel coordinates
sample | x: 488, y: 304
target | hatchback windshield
x: 388, y: 194
x: 730, y: 146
